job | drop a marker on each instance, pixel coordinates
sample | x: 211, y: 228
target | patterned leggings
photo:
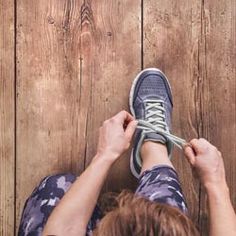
x: 160, y: 184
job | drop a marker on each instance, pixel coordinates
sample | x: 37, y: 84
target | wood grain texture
x: 218, y: 89
x: 7, y: 118
x: 171, y: 37
x: 50, y: 127
x: 74, y: 71
x: 111, y: 57
x: 76, y: 60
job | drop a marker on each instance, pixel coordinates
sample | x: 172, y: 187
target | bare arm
x: 222, y: 215
x: 72, y: 214
x: 208, y: 162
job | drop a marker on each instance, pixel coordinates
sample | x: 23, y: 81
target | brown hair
x: 140, y: 217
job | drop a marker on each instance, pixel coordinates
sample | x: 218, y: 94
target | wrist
x: 103, y: 158
x: 217, y: 190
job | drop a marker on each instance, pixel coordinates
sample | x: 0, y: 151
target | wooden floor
x: 67, y: 65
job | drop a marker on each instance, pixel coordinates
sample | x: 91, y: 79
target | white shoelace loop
x: 156, y: 122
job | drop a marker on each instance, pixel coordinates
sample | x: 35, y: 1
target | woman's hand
x: 115, y: 135
x: 207, y: 161
x: 72, y: 214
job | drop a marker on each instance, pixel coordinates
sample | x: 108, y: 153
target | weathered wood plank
x: 50, y: 121
x: 111, y: 57
x: 171, y: 31
x: 62, y: 102
x: 7, y: 117
x: 218, y: 89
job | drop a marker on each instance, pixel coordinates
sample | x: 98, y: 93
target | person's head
x: 141, y: 217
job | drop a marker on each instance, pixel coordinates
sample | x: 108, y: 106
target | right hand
x: 207, y: 160
x: 115, y: 135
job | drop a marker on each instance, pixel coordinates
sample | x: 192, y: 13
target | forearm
x: 222, y: 215
x: 75, y: 209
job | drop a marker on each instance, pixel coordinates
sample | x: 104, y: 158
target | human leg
x: 151, y: 103
x: 153, y: 154
x: 159, y: 181
x: 43, y: 200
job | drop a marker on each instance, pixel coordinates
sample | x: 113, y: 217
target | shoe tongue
x: 154, y: 109
x: 152, y: 136
x: 155, y: 116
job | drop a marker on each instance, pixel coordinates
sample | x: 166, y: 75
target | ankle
x: 153, y: 154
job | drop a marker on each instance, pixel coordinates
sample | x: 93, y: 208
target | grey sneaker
x: 151, y: 103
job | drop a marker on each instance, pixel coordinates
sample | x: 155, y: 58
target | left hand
x: 115, y: 135
x: 207, y: 161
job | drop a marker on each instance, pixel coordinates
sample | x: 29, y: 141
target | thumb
x: 129, y: 132
x: 189, y: 153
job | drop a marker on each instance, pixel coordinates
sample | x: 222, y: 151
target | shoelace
x: 156, y: 123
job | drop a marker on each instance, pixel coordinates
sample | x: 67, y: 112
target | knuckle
x: 194, y: 140
x: 113, y: 120
x: 202, y: 140
x: 214, y: 149
x: 205, y: 149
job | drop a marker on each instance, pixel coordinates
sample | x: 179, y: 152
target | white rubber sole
x: 131, y: 94
x: 133, y: 171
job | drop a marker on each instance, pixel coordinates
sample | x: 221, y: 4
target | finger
x: 189, y: 153
x: 201, y: 145
x: 204, y: 140
x: 196, y: 145
x: 123, y: 116
x: 129, y: 132
x: 129, y: 117
x: 206, y: 143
